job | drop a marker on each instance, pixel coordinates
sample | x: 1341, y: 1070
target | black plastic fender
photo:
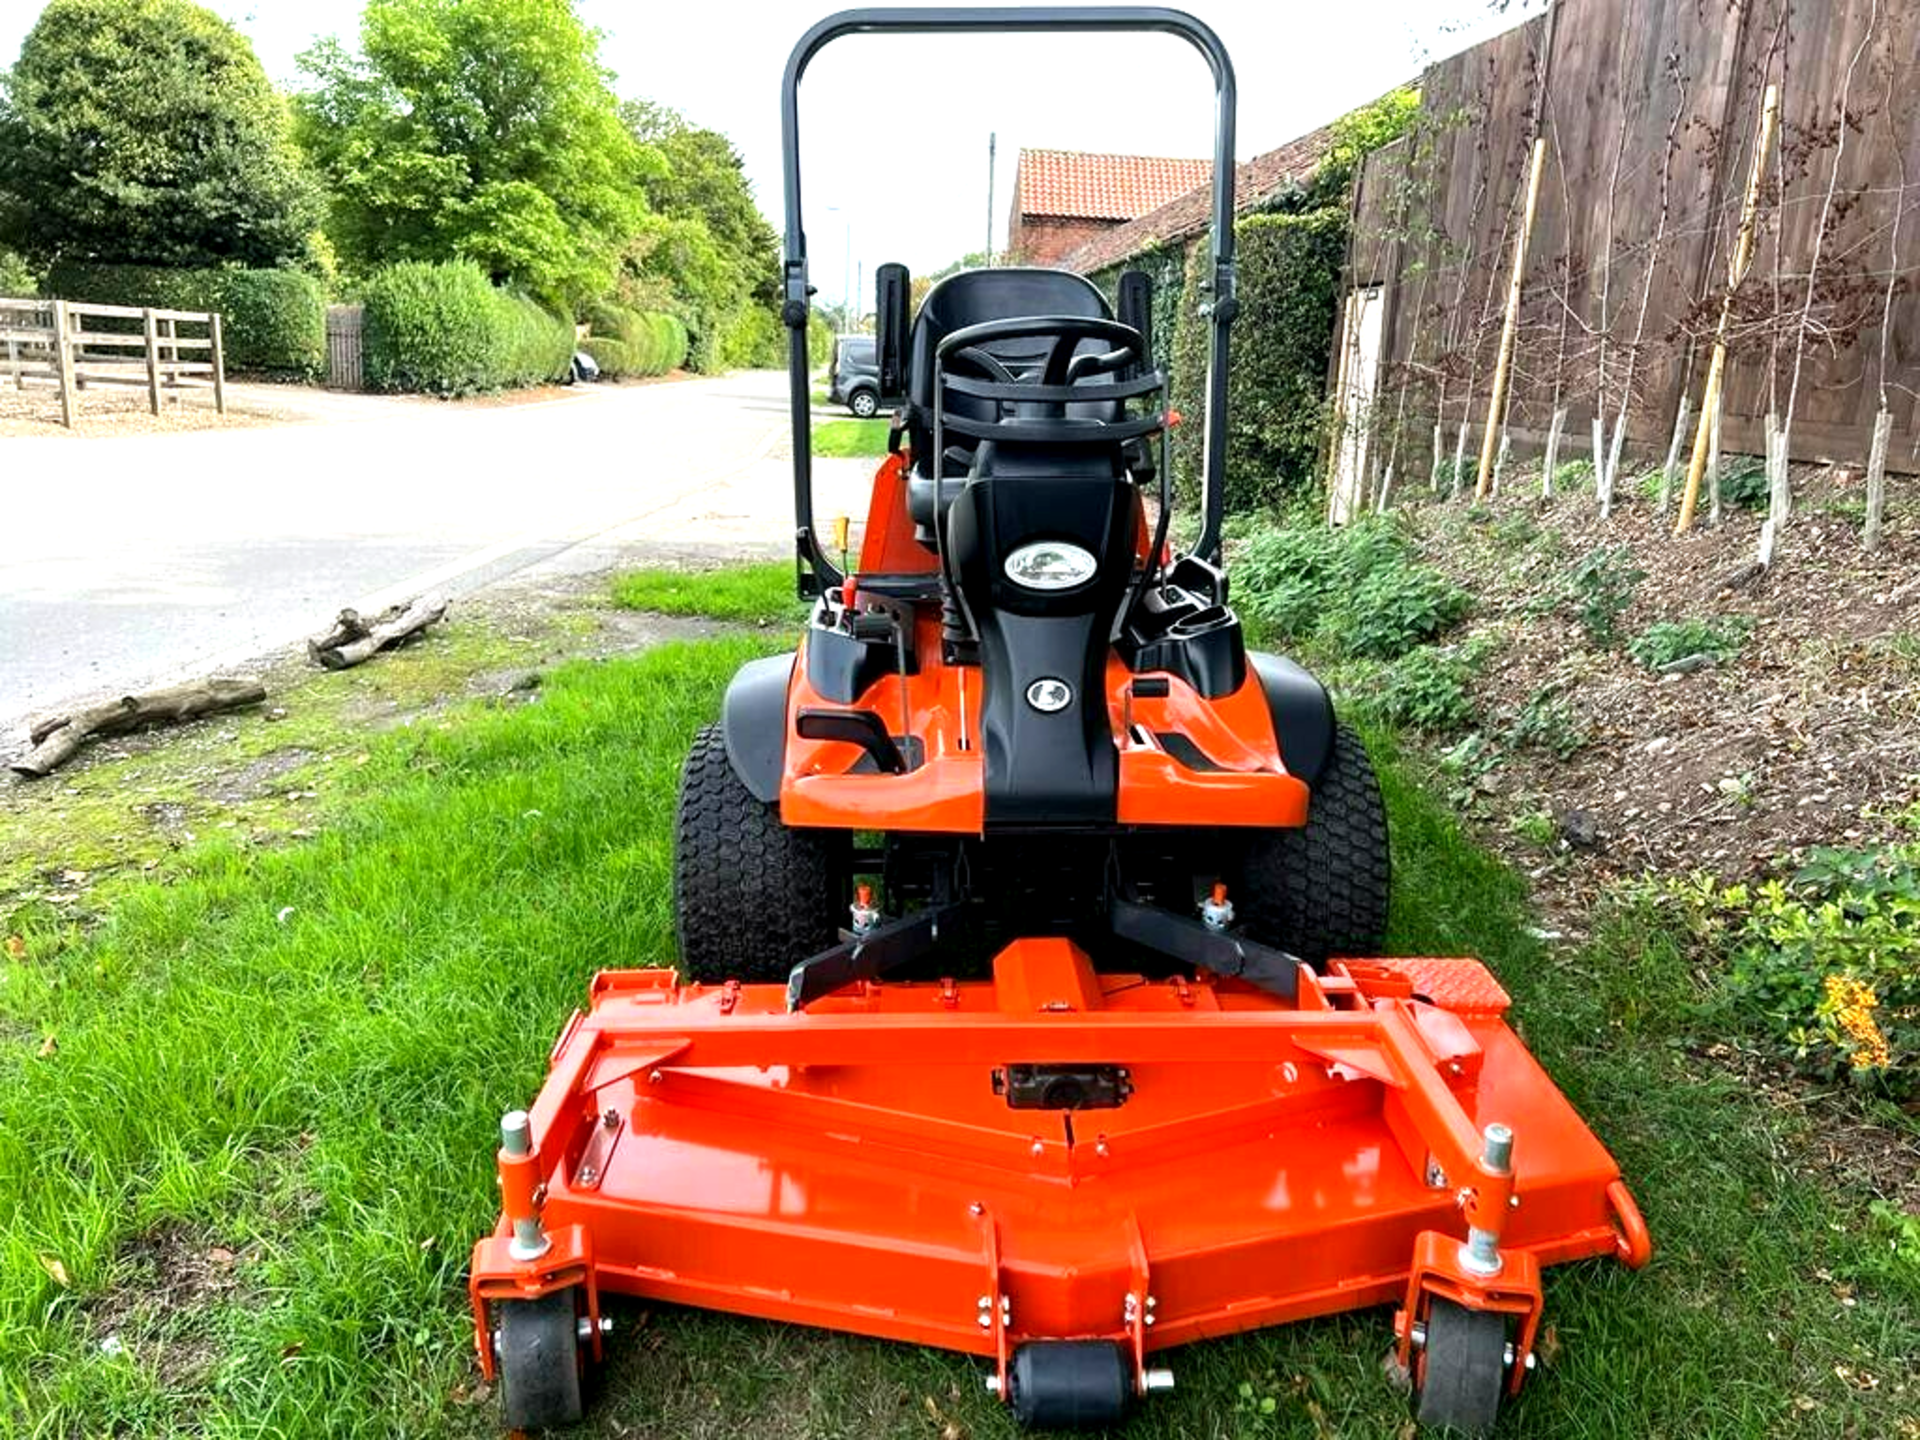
x: 1302, y: 714
x: 753, y: 721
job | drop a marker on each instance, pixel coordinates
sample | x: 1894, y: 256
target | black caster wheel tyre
x: 1462, y: 1369
x: 1070, y: 1384
x: 536, y: 1351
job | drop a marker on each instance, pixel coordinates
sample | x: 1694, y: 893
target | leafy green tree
x: 706, y: 240
x: 483, y: 130
x: 146, y: 132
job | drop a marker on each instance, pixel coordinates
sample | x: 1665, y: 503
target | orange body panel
x: 853, y: 1166
x: 947, y: 793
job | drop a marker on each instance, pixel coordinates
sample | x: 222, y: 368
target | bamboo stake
x: 1736, y: 272
x: 1502, y: 371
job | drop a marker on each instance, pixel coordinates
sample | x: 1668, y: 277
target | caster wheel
x: 1462, y: 1372
x: 536, y: 1350
x: 1070, y: 1384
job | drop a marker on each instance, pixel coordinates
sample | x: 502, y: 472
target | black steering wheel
x: 1067, y: 332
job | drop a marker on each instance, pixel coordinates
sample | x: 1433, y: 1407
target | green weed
x: 1670, y: 640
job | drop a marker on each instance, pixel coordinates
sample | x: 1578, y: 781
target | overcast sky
x: 894, y: 128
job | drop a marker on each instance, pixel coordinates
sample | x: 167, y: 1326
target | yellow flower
x: 1849, y: 1004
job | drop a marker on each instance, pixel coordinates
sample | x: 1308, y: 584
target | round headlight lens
x: 1051, y: 565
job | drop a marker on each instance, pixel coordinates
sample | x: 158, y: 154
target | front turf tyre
x: 1321, y: 890
x: 864, y: 403
x: 1462, y: 1369
x: 751, y: 897
x: 536, y: 1352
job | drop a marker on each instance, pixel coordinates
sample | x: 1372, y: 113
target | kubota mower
x: 1026, y: 918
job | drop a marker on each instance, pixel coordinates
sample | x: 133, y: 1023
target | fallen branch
x: 354, y: 639
x: 55, y: 740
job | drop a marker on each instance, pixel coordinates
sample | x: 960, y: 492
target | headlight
x: 1050, y: 565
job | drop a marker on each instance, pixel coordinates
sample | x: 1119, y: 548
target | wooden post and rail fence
x: 52, y: 343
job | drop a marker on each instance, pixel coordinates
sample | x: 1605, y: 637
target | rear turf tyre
x: 864, y: 403
x: 1463, y: 1369
x: 1321, y: 890
x: 536, y: 1351
x: 752, y: 897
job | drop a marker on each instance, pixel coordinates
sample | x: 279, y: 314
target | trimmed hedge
x: 1289, y: 270
x: 445, y: 330
x: 272, y: 321
x: 633, y: 342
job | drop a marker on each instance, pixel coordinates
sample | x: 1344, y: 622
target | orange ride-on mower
x: 1025, y: 915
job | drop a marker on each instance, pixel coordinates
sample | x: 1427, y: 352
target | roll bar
x: 817, y: 570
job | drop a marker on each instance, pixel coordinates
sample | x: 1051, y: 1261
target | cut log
x: 354, y: 639
x: 56, y: 740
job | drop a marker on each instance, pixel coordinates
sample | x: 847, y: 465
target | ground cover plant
x: 246, y: 1126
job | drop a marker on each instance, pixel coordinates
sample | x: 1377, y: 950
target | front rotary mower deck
x: 1058, y: 1170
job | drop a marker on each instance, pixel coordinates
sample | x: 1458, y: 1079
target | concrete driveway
x: 140, y: 559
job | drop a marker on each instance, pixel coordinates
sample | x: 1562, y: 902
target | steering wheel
x: 1063, y: 366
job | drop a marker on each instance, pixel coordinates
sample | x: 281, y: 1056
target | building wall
x: 1044, y: 239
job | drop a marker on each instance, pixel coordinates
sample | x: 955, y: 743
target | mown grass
x: 298, y: 1055
x: 747, y: 594
x: 844, y: 438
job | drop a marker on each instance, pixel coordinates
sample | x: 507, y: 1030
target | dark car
x: 853, y: 378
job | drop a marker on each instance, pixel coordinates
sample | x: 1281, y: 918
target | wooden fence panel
x: 1435, y: 214
x: 66, y: 345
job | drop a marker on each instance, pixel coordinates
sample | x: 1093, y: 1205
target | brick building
x: 1064, y: 198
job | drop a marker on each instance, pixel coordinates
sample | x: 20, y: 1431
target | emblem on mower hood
x: 1049, y: 695
x: 1051, y: 565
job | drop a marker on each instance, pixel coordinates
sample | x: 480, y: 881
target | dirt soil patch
x: 1808, y: 735
x: 123, y: 411
x: 161, y: 1304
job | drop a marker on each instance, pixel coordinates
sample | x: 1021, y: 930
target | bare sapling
x: 1736, y: 272
x: 1646, y: 287
x: 1883, y: 420
x: 1780, y: 498
x: 1672, y: 467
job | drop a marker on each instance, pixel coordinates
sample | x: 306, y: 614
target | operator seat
x: 972, y: 298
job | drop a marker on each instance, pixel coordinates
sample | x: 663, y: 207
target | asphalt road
x: 136, y: 560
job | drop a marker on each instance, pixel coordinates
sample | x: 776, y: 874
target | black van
x: 853, y: 379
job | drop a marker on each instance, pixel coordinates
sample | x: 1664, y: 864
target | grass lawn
x: 842, y: 438
x: 747, y: 594
x: 246, y: 1131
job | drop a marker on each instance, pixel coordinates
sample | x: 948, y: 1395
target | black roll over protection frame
x: 817, y: 570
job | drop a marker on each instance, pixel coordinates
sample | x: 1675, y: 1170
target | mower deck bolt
x: 976, y: 1209
x: 611, y: 1118
x: 1498, y: 1154
x: 516, y: 1133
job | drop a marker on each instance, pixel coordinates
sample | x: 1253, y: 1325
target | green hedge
x: 1289, y: 269
x: 642, y: 342
x: 272, y: 321
x: 445, y: 330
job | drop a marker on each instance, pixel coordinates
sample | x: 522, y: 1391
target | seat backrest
x: 971, y: 298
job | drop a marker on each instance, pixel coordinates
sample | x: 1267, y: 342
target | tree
x: 483, y: 130
x: 146, y: 132
x: 706, y: 239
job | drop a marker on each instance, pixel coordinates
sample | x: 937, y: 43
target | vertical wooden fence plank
x: 63, y: 361
x: 219, y: 365
x: 151, y: 329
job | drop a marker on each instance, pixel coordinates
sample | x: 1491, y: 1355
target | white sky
x: 894, y: 128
